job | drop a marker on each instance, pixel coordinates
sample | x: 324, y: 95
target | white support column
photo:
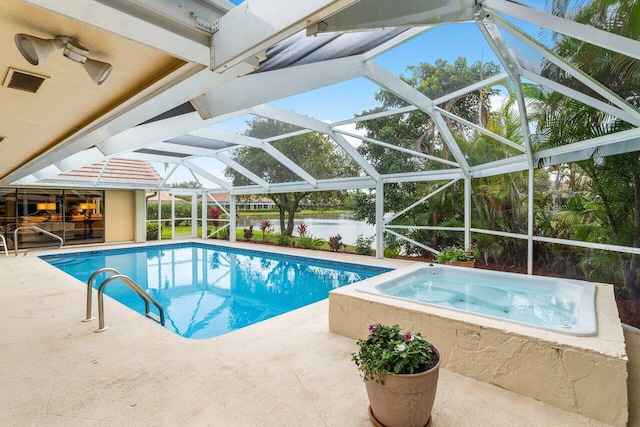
x: 173, y: 216
x: 159, y: 215
x: 530, y: 216
x: 379, y: 219
x: 467, y: 212
x: 232, y: 218
x: 194, y: 215
x: 204, y: 210
x: 141, y: 216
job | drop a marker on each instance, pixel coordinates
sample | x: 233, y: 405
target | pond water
x: 322, y: 227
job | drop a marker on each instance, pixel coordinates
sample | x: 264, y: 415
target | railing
x: 127, y: 281
x: 90, y: 289
x: 39, y: 230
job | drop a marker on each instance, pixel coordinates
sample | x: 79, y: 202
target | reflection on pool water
x: 208, y: 290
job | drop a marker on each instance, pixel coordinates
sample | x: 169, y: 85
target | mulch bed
x: 629, y: 312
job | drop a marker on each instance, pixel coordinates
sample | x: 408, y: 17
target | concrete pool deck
x: 287, y: 371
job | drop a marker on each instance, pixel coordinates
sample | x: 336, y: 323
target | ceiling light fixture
x: 37, y: 50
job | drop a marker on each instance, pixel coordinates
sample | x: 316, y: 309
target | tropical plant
x: 310, y: 242
x: 248, y: 232
x: 303, y: 229
x: 456, y: 254
x: 266, y: 227
x: 610, y: 210
x: 284, y: 239
x: 335, y: 242
x: 387, y: 350
x: 363, y: 245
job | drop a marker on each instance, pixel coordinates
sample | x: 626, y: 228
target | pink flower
x: 372, y: 327
x: 407, y: 337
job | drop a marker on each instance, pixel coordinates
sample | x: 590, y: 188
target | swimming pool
x: 561, y: 305
x: 208, y: 290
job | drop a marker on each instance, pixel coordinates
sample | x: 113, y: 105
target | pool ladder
x: 127, y: 281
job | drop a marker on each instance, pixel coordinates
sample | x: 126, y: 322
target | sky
x: 343, y: 100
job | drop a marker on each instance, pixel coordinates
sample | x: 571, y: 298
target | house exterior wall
x: 120, y: 216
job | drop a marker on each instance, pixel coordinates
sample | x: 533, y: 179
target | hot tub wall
x: 586, y: 375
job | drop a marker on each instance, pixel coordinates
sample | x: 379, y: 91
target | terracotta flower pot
x: 403, y: 400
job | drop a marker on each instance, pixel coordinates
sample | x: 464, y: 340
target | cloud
x: 351, y: 128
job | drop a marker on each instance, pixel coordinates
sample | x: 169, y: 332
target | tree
x: 417, y: 131
x: 186, y: 184
x: 612, y: 197
x: 313, y: 152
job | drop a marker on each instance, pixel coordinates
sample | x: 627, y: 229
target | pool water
x: 519, y: 305
x: 208, y: 290
x: 551, y: 303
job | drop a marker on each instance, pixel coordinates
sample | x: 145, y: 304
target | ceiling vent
x: 23, y: 80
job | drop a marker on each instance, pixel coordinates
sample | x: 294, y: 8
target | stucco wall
x: 120, y: 210
x: 586, y: 375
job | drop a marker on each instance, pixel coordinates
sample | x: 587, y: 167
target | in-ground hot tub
x: 561, y: 305
x: 584, y: 373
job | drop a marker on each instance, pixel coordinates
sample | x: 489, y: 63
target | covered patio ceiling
x: 183, y: 67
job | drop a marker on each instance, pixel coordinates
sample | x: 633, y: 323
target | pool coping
x: 291, y: 369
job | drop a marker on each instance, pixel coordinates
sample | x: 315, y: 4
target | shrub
x: 248, y: 232
x: 284, y: 240
x: 335, y: 242
x: 152, y: 231
x: 310, y: 242
x: 456, y: 253
x: 224, y: 233
x: 391, y: 252
x: 363, y: 245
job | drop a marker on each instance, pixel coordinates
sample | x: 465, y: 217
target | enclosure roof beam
x: 616, y: 143
x: 259, y: 88
x: 243, y: 171
x: 585, y: 99
x: 589, y: 34
x: 491, y: 33
x: 144, y: 25
x: 403, y: 90
x: 300, y: 186
x: 275, y: 113
x: 396, y: 148
x: 375, y: 14
x: 481, y: 130
x: 401, y: 38
x: 206, y: 174
x: 568, y: 67
x: 254, y: 26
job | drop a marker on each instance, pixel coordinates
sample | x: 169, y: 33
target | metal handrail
x: 33, y: 227
x: 141, y: 293
x: 90, y: 289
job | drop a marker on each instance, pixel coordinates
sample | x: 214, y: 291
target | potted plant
x: 400, y: 370
x: 455, y: 255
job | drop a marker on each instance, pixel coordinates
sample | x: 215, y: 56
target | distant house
x: 244, y: 203
x: 118, y: 171
x: 164, y: 198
